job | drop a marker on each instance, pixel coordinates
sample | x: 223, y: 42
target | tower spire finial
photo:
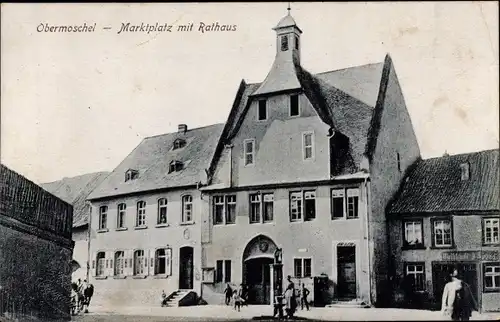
x: 289, y: 8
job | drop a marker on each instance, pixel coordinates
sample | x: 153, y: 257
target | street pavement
x: 261, y: 312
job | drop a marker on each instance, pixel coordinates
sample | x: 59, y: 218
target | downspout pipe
x: 367, y: 227
x: 230, y: 147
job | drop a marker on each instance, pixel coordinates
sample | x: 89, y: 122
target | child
x: 163, y: 298
x: 237, y: 300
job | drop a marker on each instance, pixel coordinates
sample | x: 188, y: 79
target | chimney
x: 182, y: 128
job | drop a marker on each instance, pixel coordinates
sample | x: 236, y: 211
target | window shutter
x: 168, y: 261
x: 109, y: 263
x: 128, y: 268
x: 152, y: 262
x: 93, y: 268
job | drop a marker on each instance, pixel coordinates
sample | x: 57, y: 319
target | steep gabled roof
x: 75, y: 191
x: 435, y: 185
x: 152, y: 157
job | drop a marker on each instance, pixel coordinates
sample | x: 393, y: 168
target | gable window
x: 101, y: 259
x: 223, y: 271
x: 491, y: 228
x: 249, y: 147
x: 261, y: 207
x: 103, y: 217
x: 284, y: 43
x: 179, y: 144
x: 162, y: 211
x: 187, y: 209
x: 224, y: 209
x: 352, y: 203
x: 163, y: 261
x: 296, y: 42
x: 175, y: 166
x: 140, y: 219
x: 345, y: 203
x: 308, y: 145
x: 294, y: 105
x: 464, y: 171
x: 412, y: 230
x: 442, y: 233
x: 139, y: 262
x: 302, y: 267
x: 416, y: 273
x: 119, y: 263
x: 120, y: 216
x: 491, y: 277
x: 131, y: 175
x: 262, y: 114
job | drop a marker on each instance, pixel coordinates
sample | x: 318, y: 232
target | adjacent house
x: 307, y: 162
x: 447, y: 215
x: 75, y: 191
x: 146, y: 221
x: 35, y: 250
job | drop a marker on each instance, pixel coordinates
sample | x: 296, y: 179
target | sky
x: 75, y: 103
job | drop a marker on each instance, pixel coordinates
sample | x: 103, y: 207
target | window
x: 103, y: 217
x: 224, y: 209
x: 464, y: 171
x: 284, y: 43
x: 398, y: 158
x: 254, y: 208
x: 141, y: 214
x: 413, y: 233
x: 175, y: 166
x: 163, y: 260
x: 139, y: 262
x: 442, y: 231
x: 119, y: 263
x: 338, y: 196
x: 179, y: 144
x: 262, y: 115
x: 249, y: 146
x: 131, y: 175
x: 308, y: 145
x: 416, y: 273
x: 261, y: 207
x: 223, y: 271
x: 294, y: 105
x: 162, y: 211
x: 120, y: 216
x: 296, y: 206
x: 309, y: 205
x: 302, y: 267
x: 227, y: 271
x: 491, y: 277
x: 187, y: 209
x: 296, y: 42
x: 101, y: 259
x: 352, y: 203
x: 268, y: 206
x: 491, y: 227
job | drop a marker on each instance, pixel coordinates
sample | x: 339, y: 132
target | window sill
x: 349, y: 218
x: 139, y: 277
x: 419, y: 247
x: 443, y: 247
x: 492, y: 245
x: 223, y: 225
x: 140, y: 227
x: 337, y: 218
x: 160, y: 276
x: 105, y: 230
x: 101, y: 277
x: 495, y: 290
x: 187, y: 223
x: 161, y: 225
x: 121, y: 229
x: 119, y: 277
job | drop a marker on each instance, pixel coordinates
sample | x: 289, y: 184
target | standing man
x: 303, y: 299
x: 229, y: 293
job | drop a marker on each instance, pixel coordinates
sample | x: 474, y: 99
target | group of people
x: 81, y: 294
x: 458, y: 301
x: 239, y: 296
x: 291, y: 299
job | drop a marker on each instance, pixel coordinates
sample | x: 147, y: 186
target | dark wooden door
x: 186, y: 268
x: 441, y: 276
x: 258, y: 279
x: 346, y: 260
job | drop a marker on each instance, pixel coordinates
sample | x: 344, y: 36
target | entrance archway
x: 257, y: 259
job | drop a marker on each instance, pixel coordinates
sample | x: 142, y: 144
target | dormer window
x: 179, y: 144
x: 465, y: 171
x: 131, y: 175
x: 284, y: 43
x: 175, y: 166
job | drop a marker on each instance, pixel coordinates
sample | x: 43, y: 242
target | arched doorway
x: 257, y: 259
x: 186, y: 268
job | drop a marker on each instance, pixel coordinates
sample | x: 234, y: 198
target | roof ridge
x: 193, y: 129
x: 461, y: 154
x: 355, y: 66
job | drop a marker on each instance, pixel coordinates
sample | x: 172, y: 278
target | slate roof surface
x: 152, y: 157
x: 435, y: 185
x: 74, y: 191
